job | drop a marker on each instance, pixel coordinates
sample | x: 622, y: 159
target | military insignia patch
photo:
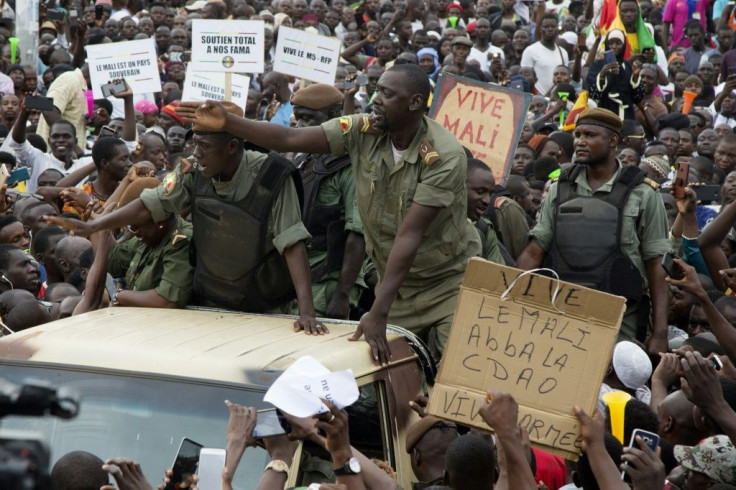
x: 169, y: 183
x: 185, y: 166
x: 428, y: 154
x: 366, y: 126
x: 346, y: 122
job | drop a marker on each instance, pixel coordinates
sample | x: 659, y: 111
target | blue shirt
x: 283, y: 114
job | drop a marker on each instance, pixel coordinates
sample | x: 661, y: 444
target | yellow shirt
x: 633, y: 40
x: 68, y: 94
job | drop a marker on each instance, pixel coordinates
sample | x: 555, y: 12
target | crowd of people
x: 348, y: 201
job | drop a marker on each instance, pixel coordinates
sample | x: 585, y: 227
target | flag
x: 645, y: 38
x: 580, y: 105
x: 609, y: 12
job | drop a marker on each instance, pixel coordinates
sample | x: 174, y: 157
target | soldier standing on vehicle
x: 410, y: 187
x: 337, y: 249
x: 246, y: 213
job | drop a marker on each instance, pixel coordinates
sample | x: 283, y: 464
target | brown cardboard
x: 486, y: 118
x: 549, y: 360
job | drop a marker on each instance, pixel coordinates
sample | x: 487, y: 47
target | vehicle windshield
x: 138, y: 418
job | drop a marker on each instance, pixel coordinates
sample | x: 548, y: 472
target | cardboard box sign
x: 484, y: 117
x: 549, y: 360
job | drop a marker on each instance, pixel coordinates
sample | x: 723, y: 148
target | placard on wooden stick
x: 201, y: 86
x: 235, y: 46
x: 549, y: 360
x: 484, y: 117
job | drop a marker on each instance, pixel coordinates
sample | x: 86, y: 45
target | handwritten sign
x: 306, y: 55
x: 135, y: 61
x: 235, y: 46
x: 485, y: 118
x: 549, y: 360
x: 202, y: 86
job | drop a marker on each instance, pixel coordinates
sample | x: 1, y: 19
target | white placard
x: 236, y: 46
x: 305, y: 55
x: 200, y: 85
x: 135, y: 61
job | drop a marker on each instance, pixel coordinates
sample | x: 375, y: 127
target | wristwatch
x: 278, y: 466
x: 351, y: 467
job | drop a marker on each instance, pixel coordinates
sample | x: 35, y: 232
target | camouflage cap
x: 715, y: 457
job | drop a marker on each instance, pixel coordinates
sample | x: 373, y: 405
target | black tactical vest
x: 325, y: 223
x: 237, y: 266
x: 586, y: 248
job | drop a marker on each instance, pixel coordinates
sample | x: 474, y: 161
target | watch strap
x: 278, y: 466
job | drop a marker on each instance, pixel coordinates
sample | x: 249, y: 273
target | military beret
x: 317, y: 96
x: 464, y: 40
x: 417, y: 431
x: 600, y: 117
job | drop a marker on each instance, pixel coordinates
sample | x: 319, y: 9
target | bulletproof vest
x: 325, y: 223
x: 483, y: 228
x: 587, y: 241
x: 236, y: 264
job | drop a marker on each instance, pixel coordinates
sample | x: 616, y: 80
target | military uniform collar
x: 411, y: 154
x: 582, y: 180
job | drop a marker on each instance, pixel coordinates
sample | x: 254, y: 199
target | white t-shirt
x: 544, y: 61
x: 482, y: 56
x: 397, y: 154
x: 550, y: 5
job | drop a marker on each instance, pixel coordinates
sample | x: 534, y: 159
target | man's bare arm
x: 267, y: 135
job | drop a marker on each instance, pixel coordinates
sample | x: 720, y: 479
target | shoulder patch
x: 499, y: 201
x: 428, y: 154
x: 185, y: 166
x: 366, y: 126
x: 346, y: 123
x: 651, y: 183
x: 169, y: 183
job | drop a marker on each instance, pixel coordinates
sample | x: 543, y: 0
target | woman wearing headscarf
x: 614, y: 85
x: 429, y: 61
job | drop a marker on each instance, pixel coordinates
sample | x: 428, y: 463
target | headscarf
x: 146, y: 107
x: 433, y: 53
x: 617, y: 34
x: 278, y: 19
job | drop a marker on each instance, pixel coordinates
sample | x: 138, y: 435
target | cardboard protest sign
x: 235, y: 46
x: 550, y: 357
x: 485, y: 118
x: 135, y: 61
x: 305, y: 55
x: 199, y: 85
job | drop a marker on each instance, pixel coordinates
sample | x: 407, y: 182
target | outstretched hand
x: 128, y: 475
x: 689, y: 281
x: 211, y: 114
x: 73, y: 226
